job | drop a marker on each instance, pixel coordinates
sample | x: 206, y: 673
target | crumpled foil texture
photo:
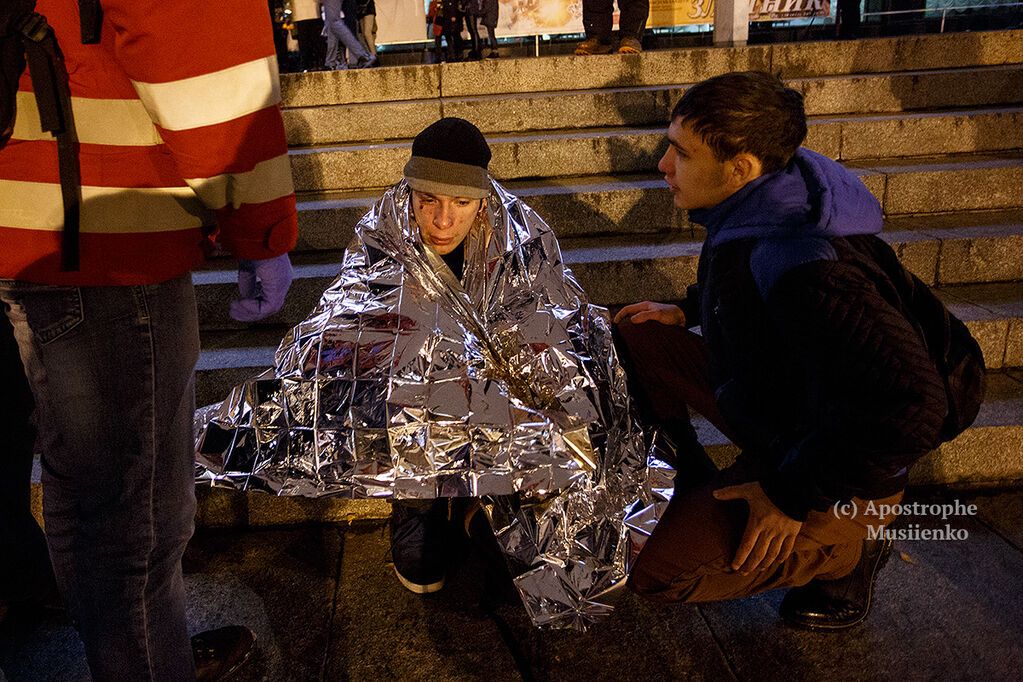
x: 406, y: 383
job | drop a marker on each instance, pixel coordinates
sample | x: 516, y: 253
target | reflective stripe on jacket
x: 177, y: 115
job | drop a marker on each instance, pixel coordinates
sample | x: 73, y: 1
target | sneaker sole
x: 588, y: 53
x: 628, y: 50
x: 417, y: 588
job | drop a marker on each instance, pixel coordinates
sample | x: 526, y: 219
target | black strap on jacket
x: 53, y: 98
x: 90, y: 16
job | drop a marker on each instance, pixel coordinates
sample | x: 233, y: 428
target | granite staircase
x: 932, y: 124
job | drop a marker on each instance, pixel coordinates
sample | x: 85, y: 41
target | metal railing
x: 944, y: 10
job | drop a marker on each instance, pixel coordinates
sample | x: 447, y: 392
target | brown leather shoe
x: 593, y: 46
x: 630, y: 46
x: 219, y: 653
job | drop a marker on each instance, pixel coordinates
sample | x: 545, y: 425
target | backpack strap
x: 53, y: 98
x: 90, y: 15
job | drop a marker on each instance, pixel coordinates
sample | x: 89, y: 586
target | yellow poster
x: 680, y: 12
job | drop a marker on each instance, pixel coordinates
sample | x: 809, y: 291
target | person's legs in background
x: 631, y: 25
x: 369, y: 34
x: 492, y: 39
x: 312, y: 46
x: 111, y: 370
x: 849, y: 19
x: 598, y: 16
x: 472, y: 24
x: 338, y: 35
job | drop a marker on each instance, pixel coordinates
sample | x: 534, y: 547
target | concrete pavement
x: 325, y: 605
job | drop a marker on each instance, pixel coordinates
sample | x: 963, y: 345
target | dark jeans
x: 111, y: 370
x: 312, y: 46
x: 688, y: 555
x: 491, y: 36
x: 849, y: 18
x: 25, y: 572
x: 598, y: 18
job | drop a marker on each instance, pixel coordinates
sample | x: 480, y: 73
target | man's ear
x: 744, y: 168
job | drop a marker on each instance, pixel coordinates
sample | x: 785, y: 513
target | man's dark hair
x: 746, y: 111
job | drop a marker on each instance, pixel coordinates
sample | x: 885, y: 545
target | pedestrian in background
x: 312, y: 45
x: 366, y: 12
x: 339, y: 35
x: 452, y: 18
x: 471, y: 10
x: 488, y: 17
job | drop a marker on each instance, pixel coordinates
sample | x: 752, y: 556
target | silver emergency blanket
x: 406, y: 383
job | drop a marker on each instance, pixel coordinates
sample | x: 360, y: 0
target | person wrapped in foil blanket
x: 413, y: 381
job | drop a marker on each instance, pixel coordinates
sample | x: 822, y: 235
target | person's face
x: 443, y: 220
x: 696, y: 178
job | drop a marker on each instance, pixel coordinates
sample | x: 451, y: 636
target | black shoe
x: 837, y: 604
x: 419, y: 544
x: 219, y: 653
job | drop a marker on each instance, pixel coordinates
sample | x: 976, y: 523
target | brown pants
x: 688, y: 556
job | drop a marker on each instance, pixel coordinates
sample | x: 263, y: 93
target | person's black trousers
x: 312, y: 46
x: 598, y: 16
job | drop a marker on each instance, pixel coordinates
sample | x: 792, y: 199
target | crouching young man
x: 806, y: 362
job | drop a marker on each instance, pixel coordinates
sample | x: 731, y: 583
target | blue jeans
x: 338, y: 32
x: 111, y: 370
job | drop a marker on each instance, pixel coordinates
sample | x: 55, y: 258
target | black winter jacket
x: 823, y: 379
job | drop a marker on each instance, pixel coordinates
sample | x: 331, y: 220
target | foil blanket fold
x: 406, y: 383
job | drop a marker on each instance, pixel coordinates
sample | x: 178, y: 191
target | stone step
x: 615, y: 270
x: 640, y: 204
x: 637, y: 150
x: 985, y: 455
x: 659, y: 67
x: 942, y: 250
x: 989, y: 453
x: 993, y: 313
x: 989, y: 86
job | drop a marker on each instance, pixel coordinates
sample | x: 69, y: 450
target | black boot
x: 419, y: 543
x: 837, y: 604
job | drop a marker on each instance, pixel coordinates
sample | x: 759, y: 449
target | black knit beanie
x: 450, y: 157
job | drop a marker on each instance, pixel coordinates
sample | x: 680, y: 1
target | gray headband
x: 434, y: 176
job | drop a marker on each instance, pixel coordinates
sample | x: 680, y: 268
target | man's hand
x: 664, y: 313
x: 262, y: 285
x: 770, y: 533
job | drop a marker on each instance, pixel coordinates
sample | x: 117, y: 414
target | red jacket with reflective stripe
x: 177, y: 112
